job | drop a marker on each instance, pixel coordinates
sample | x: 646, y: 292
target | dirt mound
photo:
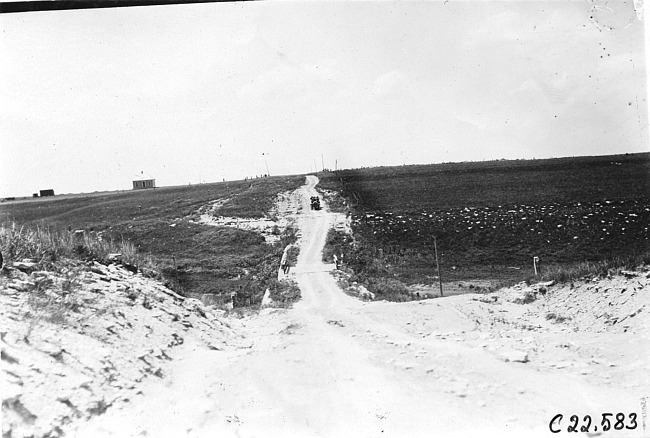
x: 83, y: 339
x: 619, y: 303
x: 595, y: 328
x: 616, y: 304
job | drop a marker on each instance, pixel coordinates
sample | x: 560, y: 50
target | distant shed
x: 144, y: 182
x: 47, y: 192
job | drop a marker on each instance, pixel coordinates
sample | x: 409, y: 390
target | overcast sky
x: 90, y: 98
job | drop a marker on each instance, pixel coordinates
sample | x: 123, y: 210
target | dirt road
x: 334, y: 366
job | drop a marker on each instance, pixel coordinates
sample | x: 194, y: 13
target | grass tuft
x: 590, y: 270
x: 284, y: 293
x: 54, y: 298
x: 47, y: 247
x: 551, y: 316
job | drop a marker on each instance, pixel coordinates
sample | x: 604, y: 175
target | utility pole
x: 435, y: 246
x: 322, y: 160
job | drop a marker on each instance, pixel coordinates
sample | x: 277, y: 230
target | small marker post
x: 435, y: 247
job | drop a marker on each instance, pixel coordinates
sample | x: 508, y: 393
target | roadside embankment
x: 78, y: 341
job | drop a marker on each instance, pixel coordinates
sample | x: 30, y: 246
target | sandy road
x: 333, y: 366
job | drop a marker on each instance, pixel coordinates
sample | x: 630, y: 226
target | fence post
x: 435, y: 246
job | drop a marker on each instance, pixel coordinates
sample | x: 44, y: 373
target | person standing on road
x: 283, y: 263
x: 287, y: 266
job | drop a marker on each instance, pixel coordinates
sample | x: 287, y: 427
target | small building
x: 47, y: 192
x: 144, y: 182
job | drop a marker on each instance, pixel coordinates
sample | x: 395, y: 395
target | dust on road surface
x: 334, y: 366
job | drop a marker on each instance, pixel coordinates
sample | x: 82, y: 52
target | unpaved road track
x: 333, y: 366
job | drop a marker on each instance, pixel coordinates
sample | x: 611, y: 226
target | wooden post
x: 175, y: 271
x: 435, y: 246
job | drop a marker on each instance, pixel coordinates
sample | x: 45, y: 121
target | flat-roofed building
x: 144, y: 181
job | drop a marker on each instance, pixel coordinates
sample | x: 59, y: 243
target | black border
x: 58, y: 5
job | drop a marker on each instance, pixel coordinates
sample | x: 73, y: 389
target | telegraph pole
x: 435, y: 246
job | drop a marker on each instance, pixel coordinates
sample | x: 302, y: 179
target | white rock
x: 266, y: 300
x: 24, y: 266
x: 512, y: 355
x: 365, y: 294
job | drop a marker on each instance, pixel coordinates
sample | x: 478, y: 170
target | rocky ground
x: 79, y: 342
x: 130, y: 358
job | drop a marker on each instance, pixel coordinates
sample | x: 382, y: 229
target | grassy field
x: 578, y: 215
x: 491, y: 218
x: 196, y: 260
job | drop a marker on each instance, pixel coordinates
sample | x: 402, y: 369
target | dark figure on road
x: 284, y: 264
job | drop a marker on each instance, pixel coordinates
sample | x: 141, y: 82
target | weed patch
x: 336, y: 242
x: 52, y: 301
x: 364, y: 267
x: 48, y: 247
x: 284, y: 293
x: 590, y: 270
x: 551, y: 316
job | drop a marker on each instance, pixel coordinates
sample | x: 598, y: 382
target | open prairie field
x: 196, y: 259
x: 491, y: 218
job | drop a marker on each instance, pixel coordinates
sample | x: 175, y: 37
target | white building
x: 144, y: 181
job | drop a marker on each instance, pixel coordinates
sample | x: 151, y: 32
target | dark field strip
x: 490, y: 219
x: 493, y: 183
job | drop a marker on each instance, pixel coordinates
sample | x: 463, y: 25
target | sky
x: 206, y: 92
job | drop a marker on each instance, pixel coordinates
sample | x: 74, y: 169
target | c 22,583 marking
x: 608, y: 421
